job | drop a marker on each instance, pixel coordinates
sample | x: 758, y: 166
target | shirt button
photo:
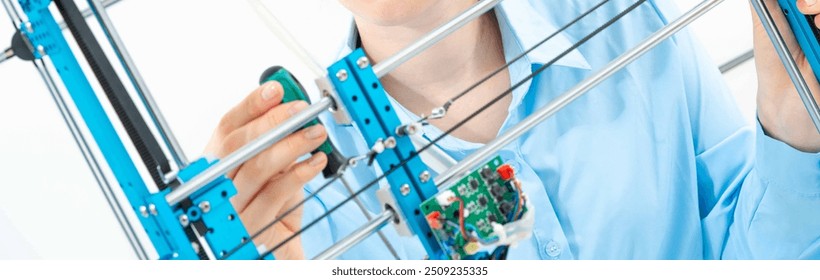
x: 553, y: 249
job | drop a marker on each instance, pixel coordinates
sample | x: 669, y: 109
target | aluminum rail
x: 83, y: 144
x: 788, y: 61
x: 248, y: 151
x: 92, y: 161
x: 358, y: 235
x: 164, y: 130
x: 567, y: 97
x: 382, y: 68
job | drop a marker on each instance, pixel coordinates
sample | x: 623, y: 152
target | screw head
x: 362, y: 62
x: 341, y: 75
x: 183, y: 220
x: 152, y: 209
x: 412, y: 129
x: 205, y: 206
x: 405, y: 189
x: 390, y: 142
x: 41, y: 50
x: 144, y: 211
x: 424, y: 176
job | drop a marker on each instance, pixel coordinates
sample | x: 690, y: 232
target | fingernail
x: 810, y: 2
x: 296, y: 107
x: 270, y: 91
x: 316, y: 160
x: 314, y: 132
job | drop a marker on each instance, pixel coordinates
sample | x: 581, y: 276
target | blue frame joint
x: 364, y: 97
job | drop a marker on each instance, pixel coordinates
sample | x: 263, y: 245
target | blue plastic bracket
x: 365, y: 99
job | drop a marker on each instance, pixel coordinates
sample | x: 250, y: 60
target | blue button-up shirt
x: 655, y: 163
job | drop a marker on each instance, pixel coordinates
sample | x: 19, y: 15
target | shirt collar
x: 529, y: 26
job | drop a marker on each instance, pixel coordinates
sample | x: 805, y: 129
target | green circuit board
x: 486, y: 197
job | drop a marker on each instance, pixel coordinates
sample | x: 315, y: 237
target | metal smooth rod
x: 788, y: 61
x: 358, y: 235
x: 8, y: 53
x: 88, y: 12
x: 248, y: 151
x: 12, y: 12
x: 737, y: 61
x: 567, y: 97
x: 278, y: 29
x: 366, y: 214
x: 165, y: 133
x: 389, y: 64
x: 91, y: 161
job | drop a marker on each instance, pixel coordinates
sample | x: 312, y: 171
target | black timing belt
x: 144, y: 141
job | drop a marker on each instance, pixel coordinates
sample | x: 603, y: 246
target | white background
x: 198, y: 58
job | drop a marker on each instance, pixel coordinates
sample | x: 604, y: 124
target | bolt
x: 405, y: 189
x: 205, y: 206
x: 144, y: 211
x: 183, y: 219
x: 342, y: 75
x: 424, y: 176
x: 407, y: 129
x: 363, y: 62
x: 412, y: 129
x: 152, y: 209
x: 390, y: 142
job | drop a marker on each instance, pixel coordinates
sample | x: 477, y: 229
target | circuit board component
x: 469, y: 217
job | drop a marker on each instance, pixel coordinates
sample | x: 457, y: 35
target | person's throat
x: 442, y: 71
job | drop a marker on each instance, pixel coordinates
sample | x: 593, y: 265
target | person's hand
x: 271, y: 182
x: 780, y: 110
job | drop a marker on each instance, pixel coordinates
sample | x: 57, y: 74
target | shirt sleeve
x: 778, y: 210
x: 758, y: 197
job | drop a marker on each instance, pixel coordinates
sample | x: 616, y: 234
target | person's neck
x: 443, y: 70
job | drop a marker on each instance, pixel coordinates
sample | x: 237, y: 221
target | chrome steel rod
x: 567, y: 97
x: 367, y: 216
x: 92, y: 162
x: 357, y: 236
x: 389, y: 64
x: 8, y: 53
x: 248, y: 151
x: 12, y: 12
x: 164, y: 130
x: 788, y: 61
x: 278, y: 29
x: 88, y: 12
x: 737, y: 61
